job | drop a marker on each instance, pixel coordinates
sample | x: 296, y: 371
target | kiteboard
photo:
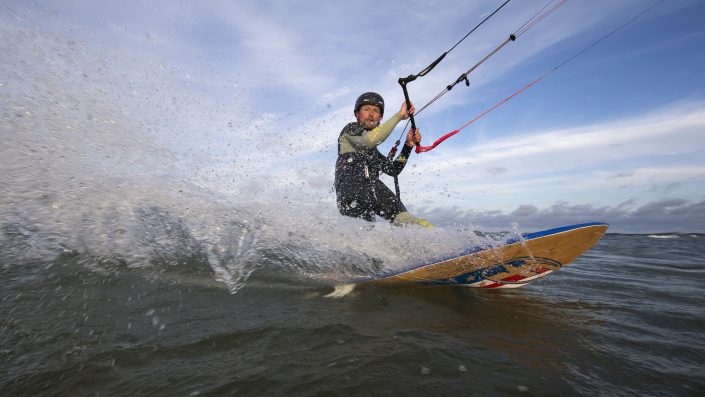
x: 514, y: 263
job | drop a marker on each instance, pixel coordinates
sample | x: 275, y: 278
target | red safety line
x: 421, y: 149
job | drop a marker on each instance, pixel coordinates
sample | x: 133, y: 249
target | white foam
x: 341, y: 291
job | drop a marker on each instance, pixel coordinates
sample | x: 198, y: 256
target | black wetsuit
x: 360, y: 193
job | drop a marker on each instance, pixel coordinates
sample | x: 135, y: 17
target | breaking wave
x: 118, y: 161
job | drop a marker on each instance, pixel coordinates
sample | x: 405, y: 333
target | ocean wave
x: 663, y: 236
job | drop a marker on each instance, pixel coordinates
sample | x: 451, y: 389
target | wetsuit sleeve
x: 368, y: 139
x: 395, y: 167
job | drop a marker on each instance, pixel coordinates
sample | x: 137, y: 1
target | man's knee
x: 354, y: 210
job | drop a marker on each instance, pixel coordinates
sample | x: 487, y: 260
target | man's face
x: 369, y: 116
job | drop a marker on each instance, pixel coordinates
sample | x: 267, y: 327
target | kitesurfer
x: 359, y: 191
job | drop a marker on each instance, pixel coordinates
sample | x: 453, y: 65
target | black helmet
x: 370, y: 98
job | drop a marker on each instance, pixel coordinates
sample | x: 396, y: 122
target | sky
x: 243, y: 91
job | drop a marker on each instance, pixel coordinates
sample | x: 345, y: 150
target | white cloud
x: 665, y: 132
x: 656, y: 150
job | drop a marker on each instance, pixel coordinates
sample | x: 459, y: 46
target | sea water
x: 624, y: 319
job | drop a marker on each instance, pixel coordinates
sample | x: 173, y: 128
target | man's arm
x: 395, y: 167
x: 368, y: 139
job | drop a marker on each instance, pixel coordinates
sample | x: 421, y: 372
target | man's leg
x: 391, y: 209
x: 355, y: 205
x: 406, y: 218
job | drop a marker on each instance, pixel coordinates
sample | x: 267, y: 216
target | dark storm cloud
x: 670, y: 215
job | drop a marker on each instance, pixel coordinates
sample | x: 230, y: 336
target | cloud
x: 652, y: 155
x: 666, y: 131
x: 668, y: 215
